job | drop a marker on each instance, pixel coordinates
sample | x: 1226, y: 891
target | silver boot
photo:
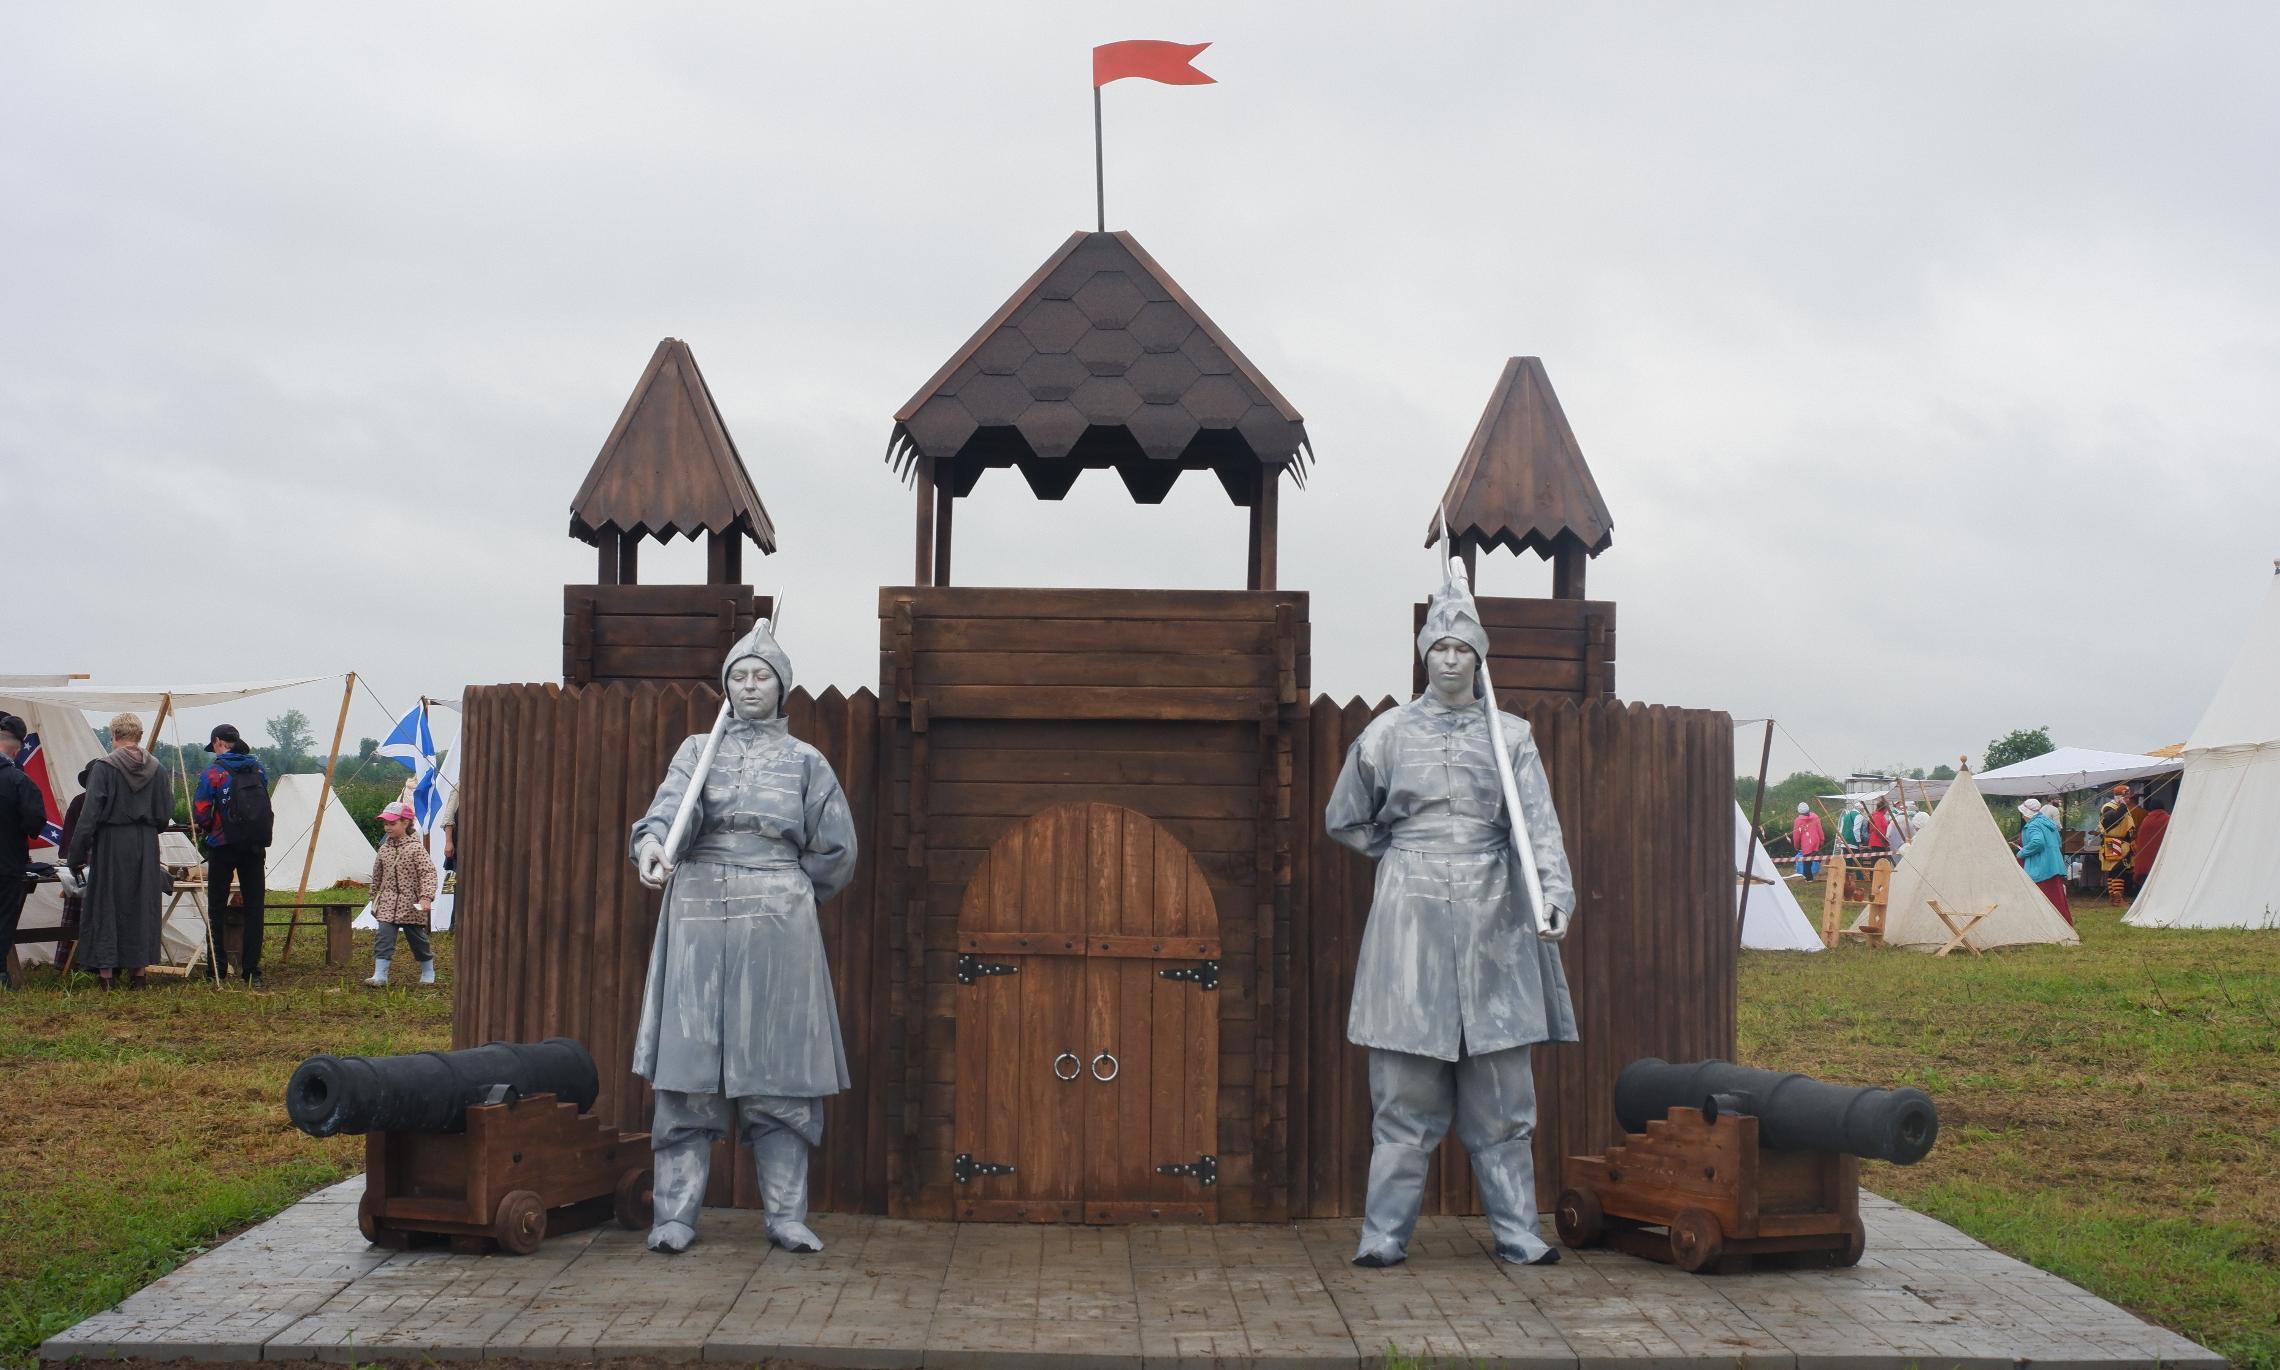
x: 781, y: 1157
x: 1506, y: 1175
x: 1389, y: 1213
x: 678, y: 1175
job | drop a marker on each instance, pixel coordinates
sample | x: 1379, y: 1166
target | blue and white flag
x: 412, y: 746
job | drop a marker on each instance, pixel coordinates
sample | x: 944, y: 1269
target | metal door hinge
x: 1204, y: 1168
x: 1205, y: 976
x: 963, y: 1168
x: 972, y: 968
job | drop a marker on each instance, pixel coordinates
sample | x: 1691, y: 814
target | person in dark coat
x: 23, y: 815
x: 115, y: 850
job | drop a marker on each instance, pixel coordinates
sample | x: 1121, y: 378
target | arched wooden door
x: 1087, y: 1020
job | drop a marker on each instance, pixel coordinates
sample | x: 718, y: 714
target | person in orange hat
x: 2117, y: 825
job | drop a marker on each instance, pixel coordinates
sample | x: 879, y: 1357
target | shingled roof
x: 1523, y: 483
x: 1100, y: 360
x: 669, y: 468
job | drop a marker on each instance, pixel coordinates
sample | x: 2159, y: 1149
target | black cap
x: 13, y: 726
x: 223, y: 732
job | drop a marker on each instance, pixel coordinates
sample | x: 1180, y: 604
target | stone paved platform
x: 888, y: 1293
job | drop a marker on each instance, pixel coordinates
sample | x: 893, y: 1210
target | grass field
x: 140, y: 1127
x: 2109, y: 1112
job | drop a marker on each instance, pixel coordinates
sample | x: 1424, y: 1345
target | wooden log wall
x: 1541, y: 647
x: 1643, y: 792
x: 553, y: 929
x: 638, y: 634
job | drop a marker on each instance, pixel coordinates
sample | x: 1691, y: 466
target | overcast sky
x: 1925, y: 355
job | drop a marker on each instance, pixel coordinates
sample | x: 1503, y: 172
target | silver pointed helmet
x: 761, y: 643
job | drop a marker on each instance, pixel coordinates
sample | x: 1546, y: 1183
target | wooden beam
x: 922, y: 572
x: 1265, y: 517
x: 1568, y: 561
x: 944, y: 503
x: 629, y: 558
x: 606, y: 559
x: 334, y: 955
x: 724, y: 558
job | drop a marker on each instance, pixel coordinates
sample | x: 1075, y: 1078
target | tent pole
x: 1749, y: 853
x: 205, y: 876
x: 317, y: 829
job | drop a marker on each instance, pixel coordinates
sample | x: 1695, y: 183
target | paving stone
x: 888, y: 1292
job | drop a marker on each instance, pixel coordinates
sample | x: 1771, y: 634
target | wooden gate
x: 1087, y: 1021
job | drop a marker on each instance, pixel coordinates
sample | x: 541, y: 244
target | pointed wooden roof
x: 1523, y: 483
x: 1100, y: 359
x: 669, y: 468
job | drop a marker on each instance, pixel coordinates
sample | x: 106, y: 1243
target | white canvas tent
x: 1959, y: 858
x: 2063, y: 770
x: 343, y: 851
x: 1771, y: 920
x: 2219, y: 865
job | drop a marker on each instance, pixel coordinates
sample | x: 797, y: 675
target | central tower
x: 1093, y: 787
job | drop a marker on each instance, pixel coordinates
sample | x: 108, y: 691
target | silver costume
x: 1453, y: 985
x: 738, y: 1021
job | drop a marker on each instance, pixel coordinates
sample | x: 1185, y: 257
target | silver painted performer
x: 738, y: 1023
x: 1458, y: 977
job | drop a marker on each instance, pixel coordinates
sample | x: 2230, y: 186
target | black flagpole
x: 1100, y: 178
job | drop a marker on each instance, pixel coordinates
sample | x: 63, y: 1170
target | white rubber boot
x: 427, y: 971
x: 379, y: 978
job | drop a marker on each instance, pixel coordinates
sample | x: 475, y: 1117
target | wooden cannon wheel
x: 520, y: 1224
x: 1696, y: 1241
x: 1579, y: 1219
x: 636, y: 1204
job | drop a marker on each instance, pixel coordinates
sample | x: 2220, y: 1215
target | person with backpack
x: 235, y: 826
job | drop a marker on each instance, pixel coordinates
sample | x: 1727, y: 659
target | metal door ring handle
x: 1076, y: 1067
x: 1114, y: 1066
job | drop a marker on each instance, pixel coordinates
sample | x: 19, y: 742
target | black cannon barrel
x: 431, y: 1091
x: 1794, y: 1112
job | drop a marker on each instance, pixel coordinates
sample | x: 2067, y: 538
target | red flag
x: 1151, y: 60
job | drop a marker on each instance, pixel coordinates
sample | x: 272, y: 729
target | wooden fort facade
x: 1096, y: 962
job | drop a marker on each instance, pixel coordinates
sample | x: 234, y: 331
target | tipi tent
x: 2219, y: 866
x: 1771, y: 920
x: 1959, y: 858
x: 343, y: 851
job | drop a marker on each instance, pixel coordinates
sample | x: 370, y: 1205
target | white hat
x: 2030, y: 808
x: 1803, y: 807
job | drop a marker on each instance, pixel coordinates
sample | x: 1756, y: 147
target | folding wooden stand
x: 523, y: 1168
x: 1870, y: 928
x: 1720, y: 1197
x: 1960, y: 924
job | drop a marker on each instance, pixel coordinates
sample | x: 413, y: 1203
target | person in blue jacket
x: 2040, y: 853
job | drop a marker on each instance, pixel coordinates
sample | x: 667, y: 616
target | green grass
x: 2110, y: 1112
x: 142, y: 1126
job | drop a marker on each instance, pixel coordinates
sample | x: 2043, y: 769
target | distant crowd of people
x: 115, y: 883
x: 2130, y: 830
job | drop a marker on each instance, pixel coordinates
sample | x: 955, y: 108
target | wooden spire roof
x: 1100, y: 359
x: 1523, y: 483
x: 669, y: 468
